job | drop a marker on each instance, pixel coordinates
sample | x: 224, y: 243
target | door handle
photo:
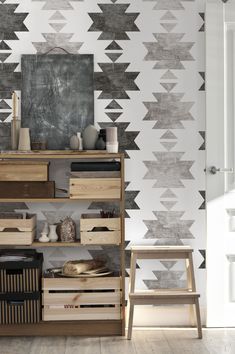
x: 213, y: 170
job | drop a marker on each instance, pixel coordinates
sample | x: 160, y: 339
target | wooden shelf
x: 83, y: 327
x: 65, y: 328
x: 55, y: 200
x: 59, y: 154
x: 66, y: 244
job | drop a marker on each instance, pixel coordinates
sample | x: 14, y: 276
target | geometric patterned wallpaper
x: 150, y: 83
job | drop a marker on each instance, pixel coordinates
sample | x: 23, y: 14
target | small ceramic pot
x: 24, y: 140
x: 112, y: 147
x: 53, y: 237
x: 74, y: 142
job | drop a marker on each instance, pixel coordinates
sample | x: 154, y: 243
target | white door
x: 220, y: 112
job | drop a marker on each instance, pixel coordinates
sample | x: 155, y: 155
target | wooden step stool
x: 163, y: 296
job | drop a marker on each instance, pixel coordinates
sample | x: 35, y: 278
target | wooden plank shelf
x: 59, y: 154
x: 54, y: 200
x: 111, y: 321
x: 65, y: 328
x: 65, y: 244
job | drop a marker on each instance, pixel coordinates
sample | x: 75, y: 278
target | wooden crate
x: 27, y: 224
x: 88, y: 235
x: 18, y: 231
x: 29, y: 189
x: 23, y: 170
x: 82, y: 299
x: 95, y: 188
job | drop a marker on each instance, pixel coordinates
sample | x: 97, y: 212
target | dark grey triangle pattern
x: 11, y: 21
x: 203, y: 145
x: 203, y: 195
x: 203, y: 254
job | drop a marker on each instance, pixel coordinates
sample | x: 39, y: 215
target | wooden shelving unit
x: 94, y: 327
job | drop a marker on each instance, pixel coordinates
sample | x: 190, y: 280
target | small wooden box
x: 18, y: 231
x: 24, y: 170
x: 12, y: 190
x: 82, y: 299
x: 88, y: 224
x: 95, y: 188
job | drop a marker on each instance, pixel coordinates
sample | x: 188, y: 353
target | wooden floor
x: 167, y: 341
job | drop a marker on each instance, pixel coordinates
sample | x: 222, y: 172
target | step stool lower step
x: 168, y: 297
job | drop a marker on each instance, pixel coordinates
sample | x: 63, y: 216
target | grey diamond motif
x: 168, y: 51
x: 169, y: 170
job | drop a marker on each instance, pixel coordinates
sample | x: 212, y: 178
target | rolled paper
x: 111, y: 135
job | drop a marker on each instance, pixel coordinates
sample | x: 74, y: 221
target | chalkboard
x: 57, y: 96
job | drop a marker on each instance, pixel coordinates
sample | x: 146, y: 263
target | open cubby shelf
x: 94, y: 327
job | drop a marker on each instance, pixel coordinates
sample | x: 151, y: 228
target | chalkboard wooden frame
x: 57, y: 96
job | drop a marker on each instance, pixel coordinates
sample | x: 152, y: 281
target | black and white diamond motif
x: 113, y: 22
x: 11, y: 21
x: 114, y: 81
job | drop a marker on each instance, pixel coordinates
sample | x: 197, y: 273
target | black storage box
x: 20, y: 308
x: 20, y: 271
x: 96, y: 166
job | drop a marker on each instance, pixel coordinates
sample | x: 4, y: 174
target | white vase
x: 24, y: 139
x: 89, y: 135
x: 53, y: 237
x: 44, y: 237
x: 74, y: 142
x: 79, y: 135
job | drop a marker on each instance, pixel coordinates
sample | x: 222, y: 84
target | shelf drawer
x: 97, y: 230
x: 95, y: 188
x: 82, y: 299
x: 24, y: 171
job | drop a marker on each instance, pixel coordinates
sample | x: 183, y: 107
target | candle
x: 15, y: 104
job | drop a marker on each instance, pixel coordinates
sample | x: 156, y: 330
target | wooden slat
x: 81, y: 283
x: 89, y: 221
x: 17, y: 238
x: 59, y: 154
x: 95, y: 188
x: 101, y: 238
x: 149, y: 294
x: 112, y: 298
x: 65, y: 328
x: 21, y: 224
x: 23, y: 171
x: 161, y: 248
x: 112, y: 313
